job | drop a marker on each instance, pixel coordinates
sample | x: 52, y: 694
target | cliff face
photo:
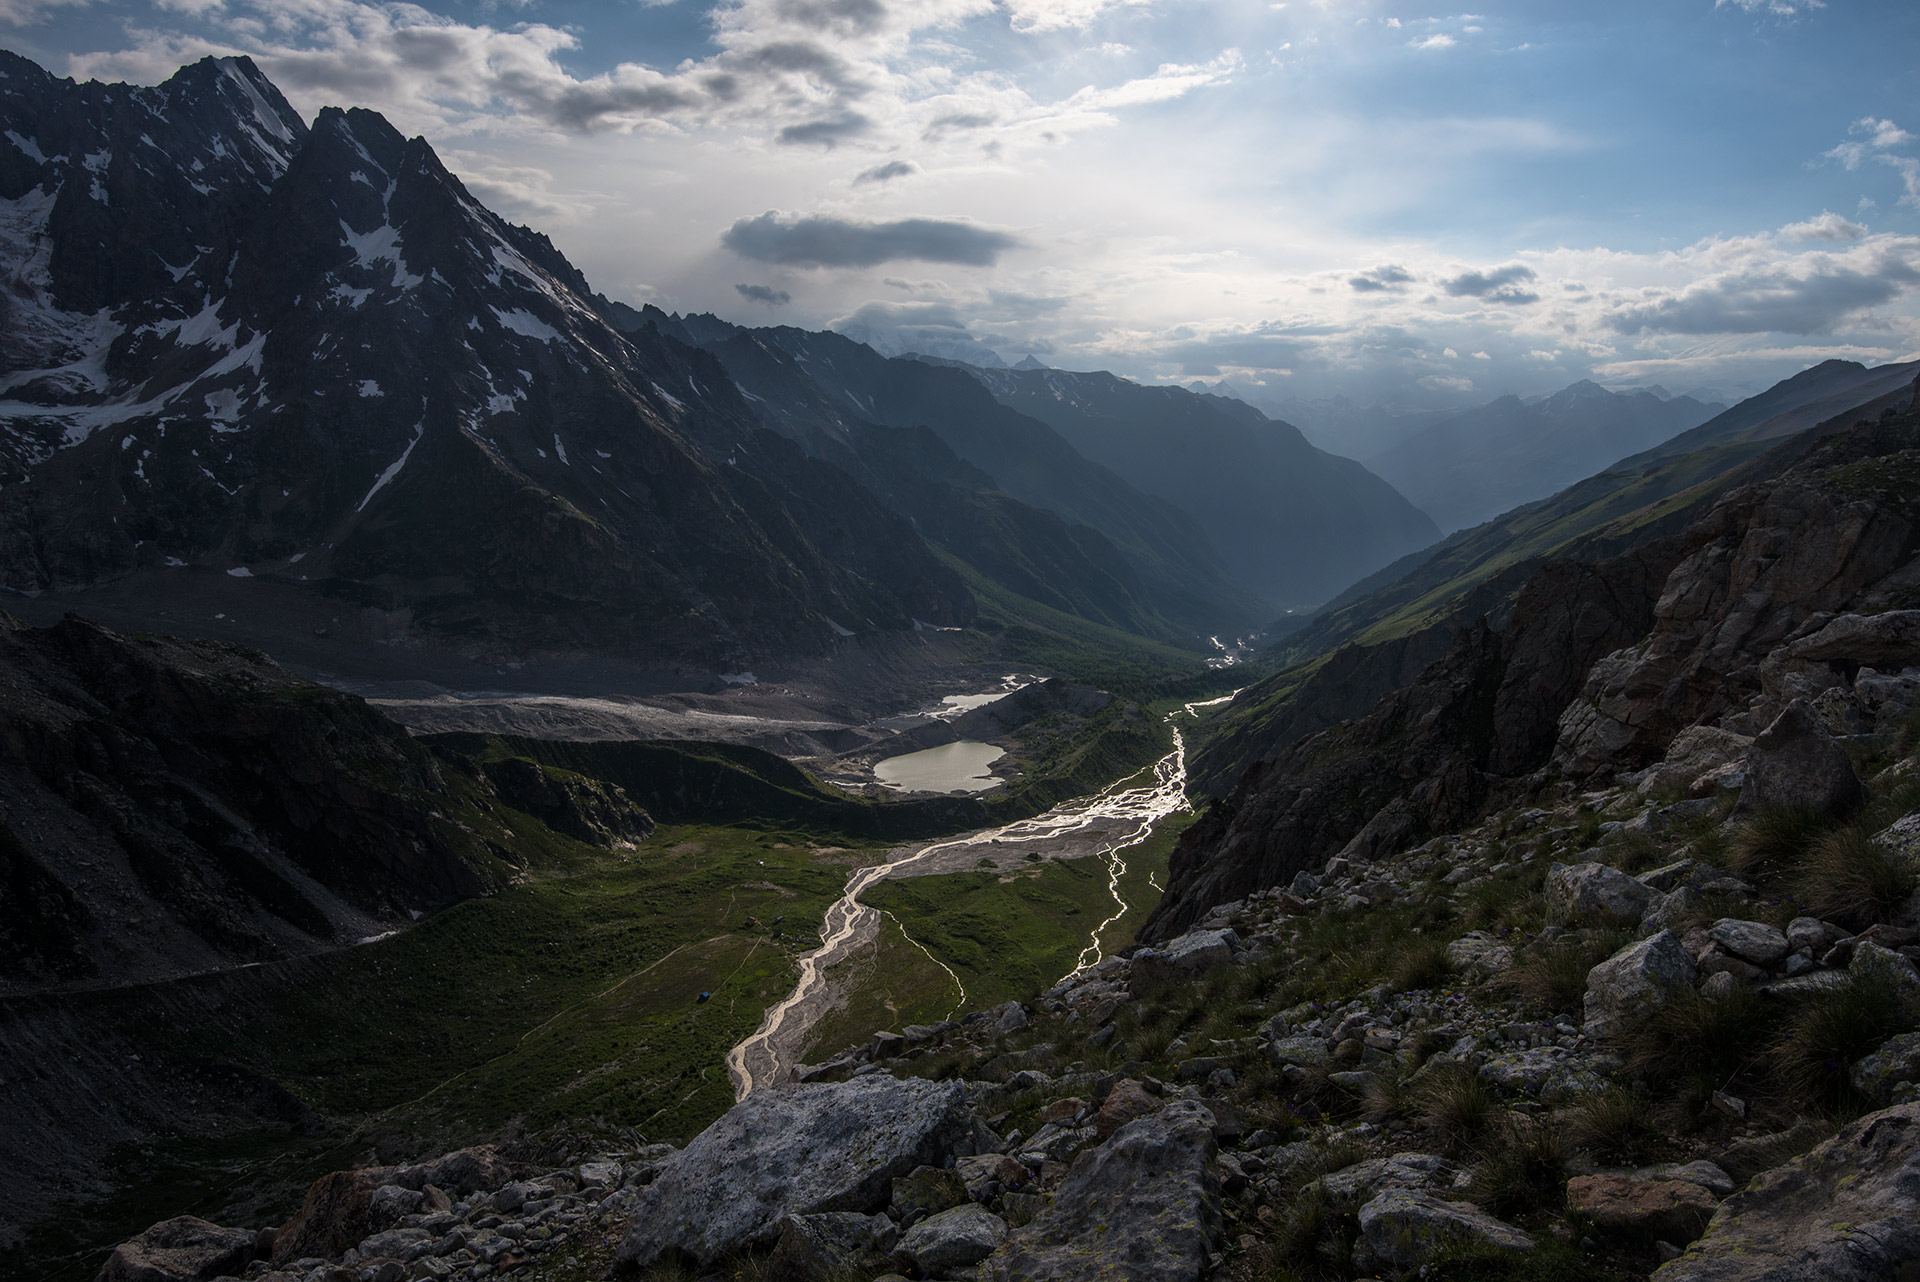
x: 169, y: 807
x: 1600, y: 666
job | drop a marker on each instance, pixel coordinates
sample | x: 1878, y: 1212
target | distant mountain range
x: 244, y: 347
x: 1472, y: 466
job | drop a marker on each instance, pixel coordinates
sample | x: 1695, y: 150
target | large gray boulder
x: 1751, y: 941
x: 1795, y: 762
x: 1638, y: 977
x: 1405, y: 1229
x: 1191, y: 954
x: 183, y: 1249
x: 1595, y: 893
x: 1143, y: 1207
x: 793, y: 1152
x: 1849, y: 1211
x: 953, y: 1239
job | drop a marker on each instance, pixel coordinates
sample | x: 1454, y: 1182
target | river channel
x: 1106, y: 825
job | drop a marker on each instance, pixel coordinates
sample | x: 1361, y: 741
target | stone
x: 1849, y: 1211
x: 1063, y: 1110
x: 829, y: 1246
x: 1361, y: 1182
x: 183, y: 1249
x: 1707, y: 1175
x: 978, y: 1176
x: 1143, y: 1207
x: 1479, y: 953
x: 929, y: 1189
x: 1695, y: 751
x: 1009, y: 1018
x: 1883, y: 966
x: 1302, y: 1051
x: 1672, y: 908
x: 1715, y: 960
x: 1896, y: 1060
x: 1593, y: 892
x: 1810, y: 934
x: 333, y: 1216
x: 394, y: 1244
x: 1752, y: 941
x: 1183, y: 957
x: 830, y: 1147
x: 467, y: 1171
x: 1127, y: 1100
x: 391, y: 1201
x: 951, y: 1240
x: 1551, y: 1074
x: 1668, y: 877
x: 1637, y: 977
x: 1665, y: 1210
x: 1795, y: 762
x: 1404, y: 1229
x: 1719, y: 985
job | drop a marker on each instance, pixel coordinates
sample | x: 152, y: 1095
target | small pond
x: 952, y: 767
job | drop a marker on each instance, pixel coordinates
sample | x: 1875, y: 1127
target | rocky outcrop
x: 1143, y: 1207
x: 590, y: 810
x: 795, y: 1152
x: 183, y: 1249
x: 1795, y: 763
x: 1849, y: 1211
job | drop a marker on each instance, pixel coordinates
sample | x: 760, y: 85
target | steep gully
x: 1111, y: 823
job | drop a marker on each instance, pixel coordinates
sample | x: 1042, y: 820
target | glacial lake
x: 952, y: 767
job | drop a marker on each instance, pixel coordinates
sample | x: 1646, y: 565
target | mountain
x: 1365, y: 642
x: 827, y: 392
x: 1293, y: 522
x: 1340, y: 426
x: 236, y: 345
x: 1474, y: 465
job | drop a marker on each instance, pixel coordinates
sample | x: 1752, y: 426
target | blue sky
x: 1384, y: 200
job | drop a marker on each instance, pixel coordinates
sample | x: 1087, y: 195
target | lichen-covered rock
x: 1896, y: 1061
x: 1143, y: 1207
x: 183, y: 1249
x: 819, y: 1148
x: 1190, y: 954
x: 1752, y: 941
x: 1635, y: 978
x: 951, y: 1240
x: 1849, y: 1211
x: 1301, y: 1051
x: 1480, y: 953
x: 1593, y: 892
x: 821, y: 1248
x: 1352, y: 1185
x: 1552, y: 1074
x: 1673, y: 1211
x: 1795, y: 762
x: 1405, y: 1229
x: 1695, y: 752
x: 1127, y: 1100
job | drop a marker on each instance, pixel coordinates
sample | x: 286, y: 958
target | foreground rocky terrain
x: 1599, y: 964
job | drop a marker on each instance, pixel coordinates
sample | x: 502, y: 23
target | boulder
x: 1849, y: 1211
x: 803, y: 1151
x: 1888, y: 969
x: 183, y: 1249
x: 1897, y: 1060
x: 1707, y: 1175
x: 1674, y: 1211
x: 1404, y: 1229
x: 1635, y: 978
x: 1751, y: 941
x: 829, y: 1246
x: 335, y: 1214
x: 1302, y: 1051
x: 978, y: 1175
x: 1695, y: 751
x: 1479, y: 953
x: 929, y: 1189
x: 1795, y: 762
x: 1352, y: 1185
x: 951, y: 1240
x: 1143, y: 1207
x: 1552, y: 1074
x: 467, y: 1171
x: 1127, y: 1100
x: 1188, y: 955
x: 1595, y: 893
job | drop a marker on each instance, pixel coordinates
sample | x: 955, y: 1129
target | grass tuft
x: 1521, y: 1167
x: 1848, y: 878
x: 1775, y: 838
x: 1423, y: 965
x: 1832, y: 1030
x: 1615, y: 1125
x: 1454, y: 1103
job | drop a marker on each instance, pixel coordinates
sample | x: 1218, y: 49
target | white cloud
x: 1052, y: 15
x: 1779, y: 8
x: 1826, y: 226
x: 1438, y: 40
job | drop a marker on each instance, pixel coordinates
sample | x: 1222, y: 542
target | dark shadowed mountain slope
x: 1291, y: 521
x: 825, y: 390
x: 239, y: 343
x: 1477, y: 464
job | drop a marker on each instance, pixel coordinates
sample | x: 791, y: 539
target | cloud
x: 1826, y: 226
x: 764, y: 294
x: 1501, y: 285
x: 888, y: 172
x: 1438, y: 40
x: 1380, y: 279
x: 1876, y: 135
x: 826, y: 133
x: 1770, y: 300
x: 1779, y: 8
x: 852, y: 17
x: 27, y: 13
x: 1052, y: 15
x: 816, y: 240
x: 1445, y: 383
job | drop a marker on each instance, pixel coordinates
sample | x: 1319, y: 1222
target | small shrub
x: 1615, y: 1125
x: 1636, y: 852
x: 1831, y: 1030
x: 1848, y: 878
x: 1775, y: 838
x: 1520, y: 1167
x: 1454, y: 1103
x: 1423, y: 964
x: 1691, y: 1037
x: 1313, y: 1238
